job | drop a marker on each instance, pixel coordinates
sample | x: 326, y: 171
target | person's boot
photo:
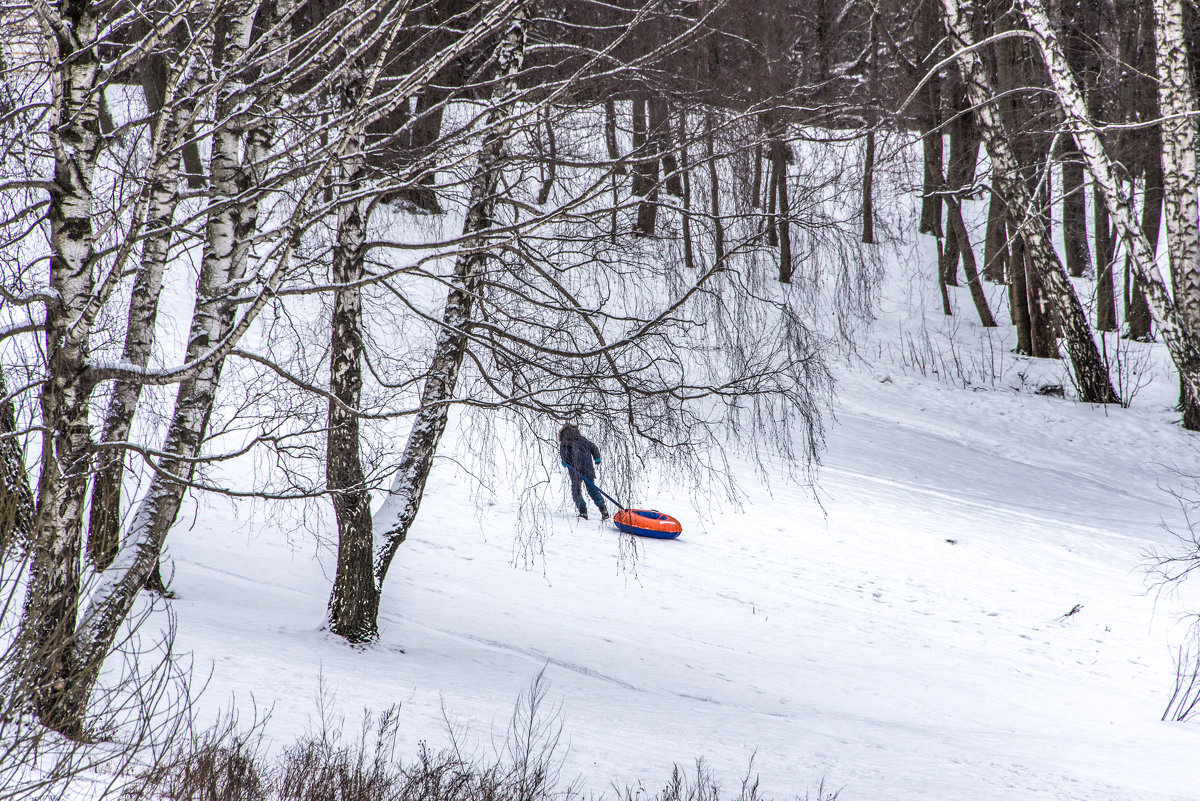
x: 583, y: 514
x: 603, y: 512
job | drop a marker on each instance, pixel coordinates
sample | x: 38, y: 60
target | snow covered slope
x: 907, y: 637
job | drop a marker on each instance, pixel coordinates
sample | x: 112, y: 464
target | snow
x: 901, y: 633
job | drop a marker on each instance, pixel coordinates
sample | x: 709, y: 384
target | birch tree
x: 526, y: 334
x: 1092, y: 378
x: 184, y: 84
x: 1176, y: 329
x: 71, y: 34
x: 239, y: 145
x: 393, y: 519
x: 63, y: 650
x: 1177, y: 102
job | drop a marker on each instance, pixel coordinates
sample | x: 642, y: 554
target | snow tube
x: 647, y: 523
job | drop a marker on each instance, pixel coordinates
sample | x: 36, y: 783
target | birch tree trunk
x: 399, y: 509
x: 1177, y: 332
x: 138, y: 555
x: 1105, y: 103
x: 1177, y: 102
x: 1092, y: 378
x: 354, y: 600
x: 104, y: 526
x: 54, y: 582
x: 352, y: 611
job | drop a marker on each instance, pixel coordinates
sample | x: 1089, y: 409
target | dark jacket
x: 578, y: 452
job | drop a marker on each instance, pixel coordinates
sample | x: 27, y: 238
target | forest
x: 313, y: 238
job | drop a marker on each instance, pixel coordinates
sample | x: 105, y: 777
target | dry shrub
x: 225, y: 764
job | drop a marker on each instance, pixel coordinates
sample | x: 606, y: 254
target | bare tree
x: 1091, y: 376
x: 1177, y: 99
x: 174, y: 92
x: 528, y: 334
x: 216, y: 77
x: 1177, y: 330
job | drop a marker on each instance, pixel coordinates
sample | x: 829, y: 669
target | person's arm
x: 562, y: 455
x: 595, y: 452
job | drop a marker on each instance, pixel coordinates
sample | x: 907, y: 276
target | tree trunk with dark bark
x: 714, y: 184
x: 16, y: 497
x: 978, y: 297
x: 960, y: 175
x: 1074, y: 209
x: 995, y: 247
x: 931, y: 138
x: 948, y: 260
x: 943, y: 290
x: 784, y: 214
x: 645, y: 169
x: 550, y: 158
x: 610, y: 136
x: 772, y: 218
x: 685, y: 168
x: 660, y: 133
x: 756, y: 189
x: 868, y: 190
x: 1018, y: 293
x: 1137, y: 311
x: 1106, y: 304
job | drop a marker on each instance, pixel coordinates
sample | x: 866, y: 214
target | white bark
x: 353, y: 602
x: 1094, y: 383
x: 399, y: 509
x: 211, y: 320
x: 1178, y: 336
x: 1177, y: 101
x: 162, y: 182
x: 53, y: 592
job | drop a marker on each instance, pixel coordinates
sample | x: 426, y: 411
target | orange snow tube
x: 648, y: 523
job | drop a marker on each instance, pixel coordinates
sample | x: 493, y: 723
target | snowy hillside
x: 901, y: 634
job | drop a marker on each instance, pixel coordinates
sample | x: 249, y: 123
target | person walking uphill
x: 580, y: 456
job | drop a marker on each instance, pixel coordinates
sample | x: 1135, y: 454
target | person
x: 581, y: 457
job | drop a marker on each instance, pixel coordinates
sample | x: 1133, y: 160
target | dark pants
x: 577, y: 496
